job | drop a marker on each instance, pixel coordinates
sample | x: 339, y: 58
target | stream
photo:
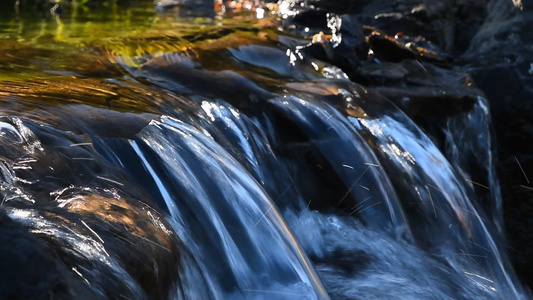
x: 172, y: 153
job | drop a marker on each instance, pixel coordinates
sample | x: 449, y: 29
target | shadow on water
x: 150, y: 153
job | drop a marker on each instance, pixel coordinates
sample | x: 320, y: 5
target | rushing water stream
x: 158, y: 154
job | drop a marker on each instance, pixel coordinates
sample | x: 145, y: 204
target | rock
x: 316, y: 19
x: 500, y: 60
x: 134, y: 233
x: 340, y: 6
x: 388, y: 49
x: 70, y: 236
x: 503, y: 37
x: 400, y: 46
x: 344, y: 48
x: 350, y: 40
x: 92, y: 243
x: 448, y: 24
x: 31, y: 270
x: 337, y: 38
x: 510, y: 94
x: 421, y: 89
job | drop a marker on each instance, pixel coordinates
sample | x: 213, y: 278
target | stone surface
x: 421, y: 89
x: 30, y: 270
x: 500, y: 60
x: 449, y: 24
x: 491, y: 40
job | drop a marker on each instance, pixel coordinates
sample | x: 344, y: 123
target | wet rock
x: 340, y: 6
x: 422, y: 89
x: 31, y: 270
x: 78, y: 249
x: 510, y: 95
x: 337, y: 35
x: 349, y: 39
x: 135, y: 233
x: 469, y: 16
x: 75, y: 241
x: 428, y: 101
x: 500, y: 60
x: 448, y: 24
x: 504, y: 36
x: 399, y: 47
x: 388, y: 49
x: 408, y: 16
x: 343, y: 47
x: 316, y: 19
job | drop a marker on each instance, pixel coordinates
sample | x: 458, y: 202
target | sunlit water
x: 171, y: 154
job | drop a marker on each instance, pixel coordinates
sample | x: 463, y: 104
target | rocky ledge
x: 433, y: 58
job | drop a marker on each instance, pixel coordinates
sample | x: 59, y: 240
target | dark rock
x: 422, y: 89
x: 504, y: 35
x: 30, y: 270
x: 312, y: 18
x: 388, y: 49
x: 448, y: 24
x: 340, y: 6
x: 333, y: 6
x: 511, y: 98
x: 499, y: 59
x: 351, y: 40
x: 399, y: 47
x: 58, y: 252
x: 346, y: 46
x: 469, y: 17
x: 134, y: 233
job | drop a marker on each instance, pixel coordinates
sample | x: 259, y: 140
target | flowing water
x: 172, y: 154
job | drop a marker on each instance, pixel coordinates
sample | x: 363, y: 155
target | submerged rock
x: 77, y: 235
x: 83, y: 243
x: 193, y: 134
x: 31, y: 269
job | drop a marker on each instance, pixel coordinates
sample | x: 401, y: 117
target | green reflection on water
x: 33, y: 38
x: 71, y: 57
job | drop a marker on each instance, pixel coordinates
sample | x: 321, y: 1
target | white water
x: 406, y: 223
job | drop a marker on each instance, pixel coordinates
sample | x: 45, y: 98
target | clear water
x: 233, y: 166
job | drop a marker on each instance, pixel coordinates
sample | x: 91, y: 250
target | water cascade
x: 226, y: 164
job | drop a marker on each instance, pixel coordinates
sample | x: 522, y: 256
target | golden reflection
x: 135, y: 217
x: 73, y: 89
x: 343, y: 100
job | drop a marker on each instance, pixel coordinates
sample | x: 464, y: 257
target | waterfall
x: 336, y: 206
x: 200, y: 172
